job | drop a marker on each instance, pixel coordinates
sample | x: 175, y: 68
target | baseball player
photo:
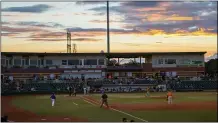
x: 148, y: 92
x: 53, y: 98
x: 88, y: 89
x: 70, y: 91
x: 102, y: 91
x: 74, y: 91
x: 169, y: 97
x: 104, y: 100
x: 84, y: 91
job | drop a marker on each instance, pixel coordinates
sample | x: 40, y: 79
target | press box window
x: 73, y: 62
x: 49, y: 62
x: 33, y: 62
x: 101, y: 62
x: 3, y: 61
x: 160, y: 61
x: 90, y: 62
x: 17, y: 62
x: 170, y: 61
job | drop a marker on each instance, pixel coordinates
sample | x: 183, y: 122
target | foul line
x: 90, y: 102
x: 129, y: 115
x: 75, y: 103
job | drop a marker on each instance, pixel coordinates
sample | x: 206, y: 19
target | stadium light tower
x: 74, y: 48
x: 68, y: 41
x: 108, y: 29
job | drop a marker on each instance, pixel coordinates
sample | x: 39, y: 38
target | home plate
x: 43, y: 119
x: 66, y: 118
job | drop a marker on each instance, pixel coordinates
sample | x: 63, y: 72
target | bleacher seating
x: 195, y: 85
x: 62, y: 86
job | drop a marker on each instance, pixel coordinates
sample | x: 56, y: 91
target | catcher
x: 169, y: 97
x: 104, y: 100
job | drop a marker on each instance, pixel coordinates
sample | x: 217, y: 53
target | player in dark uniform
x: 104, y: 100
x: 70, y: 91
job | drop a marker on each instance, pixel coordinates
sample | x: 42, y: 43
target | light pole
x: 108, y: 29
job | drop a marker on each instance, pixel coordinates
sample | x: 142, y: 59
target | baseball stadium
x: 107, y: 86
x: 136, y: 91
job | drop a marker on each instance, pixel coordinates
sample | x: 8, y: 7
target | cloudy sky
x: 134, y: 26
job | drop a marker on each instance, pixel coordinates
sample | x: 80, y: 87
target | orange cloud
x: 181, y: 18
x: 202, y: 31
x: 154, y: 32
x: 151, y: 9
x: 89, y: 34
x: 199, y: 32
x: 46, y: 39
x: 154, y: 17
x: 162, y: 17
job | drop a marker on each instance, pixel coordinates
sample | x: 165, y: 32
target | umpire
x: 104, y: 100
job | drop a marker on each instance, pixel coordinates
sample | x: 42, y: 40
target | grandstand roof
x: 110, y: 55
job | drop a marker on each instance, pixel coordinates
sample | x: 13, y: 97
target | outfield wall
x: 48, y: 88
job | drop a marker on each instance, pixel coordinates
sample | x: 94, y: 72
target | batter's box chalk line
x: 94, y: 103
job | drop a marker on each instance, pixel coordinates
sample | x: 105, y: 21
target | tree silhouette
x: 211, y: 66
x: 132, y: 63
x: 113, y: 62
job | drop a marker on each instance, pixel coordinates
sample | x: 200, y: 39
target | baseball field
x: 187, y: 106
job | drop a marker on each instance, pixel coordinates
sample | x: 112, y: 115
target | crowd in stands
x: 172, y: 82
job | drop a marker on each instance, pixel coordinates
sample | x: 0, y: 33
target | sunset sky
x: 134, y: 26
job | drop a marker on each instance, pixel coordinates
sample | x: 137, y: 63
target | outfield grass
x: 65, y: 106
